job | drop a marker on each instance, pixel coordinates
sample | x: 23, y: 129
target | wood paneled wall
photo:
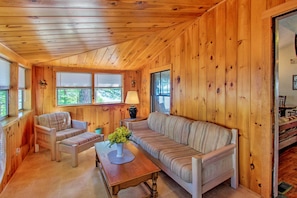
x: 221, y: 76
x: 106, y: 116
x: 18, y: 126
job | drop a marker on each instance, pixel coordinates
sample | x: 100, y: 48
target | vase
x: 120, y: 150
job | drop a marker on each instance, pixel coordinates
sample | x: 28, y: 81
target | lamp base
x: 132, y: 112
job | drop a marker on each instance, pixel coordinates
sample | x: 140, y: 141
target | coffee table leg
x: 154, y: 192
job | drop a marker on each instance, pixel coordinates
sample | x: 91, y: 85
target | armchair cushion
x: 67, y: 133
x: 59, y: 121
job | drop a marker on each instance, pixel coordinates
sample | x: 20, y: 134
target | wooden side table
x: 126, y: 120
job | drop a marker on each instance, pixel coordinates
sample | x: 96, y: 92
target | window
x: 73, y: 88
x: 108, y: 88
x: 2, y: 153
x: 160, y: 91
x: 21, y: 88
x: 4, y: 87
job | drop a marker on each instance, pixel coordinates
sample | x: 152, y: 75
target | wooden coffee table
x: 117, y: 177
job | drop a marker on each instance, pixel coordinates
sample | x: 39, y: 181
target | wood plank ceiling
x: 103, y: 34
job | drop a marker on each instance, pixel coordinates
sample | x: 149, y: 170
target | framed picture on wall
x: 294, y: 83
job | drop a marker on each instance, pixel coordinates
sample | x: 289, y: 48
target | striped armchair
x: 53, y: 127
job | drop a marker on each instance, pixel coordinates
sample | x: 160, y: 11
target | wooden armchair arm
x: 45, y: 137
x: 44, y: 130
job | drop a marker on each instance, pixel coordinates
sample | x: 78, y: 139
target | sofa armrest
x: 143, y: 124
x: 212, y: 169
x: 77, y: 124
x: 218, y: 154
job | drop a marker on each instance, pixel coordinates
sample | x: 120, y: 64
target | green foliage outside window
x: 73, y: 96
x: 3, y: 103
x: 108, y: 95
x: 21, y: 99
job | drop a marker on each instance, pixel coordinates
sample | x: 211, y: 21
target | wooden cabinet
x: 18, y: 141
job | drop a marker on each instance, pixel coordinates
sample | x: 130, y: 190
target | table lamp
x: 132, y: 99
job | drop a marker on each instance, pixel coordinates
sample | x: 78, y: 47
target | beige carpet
x: 40, y: 177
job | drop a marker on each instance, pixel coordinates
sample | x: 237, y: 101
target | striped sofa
x: 52, y: 127
x: 196, y: 154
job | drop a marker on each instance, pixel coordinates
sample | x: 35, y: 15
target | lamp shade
x: 132, y: 98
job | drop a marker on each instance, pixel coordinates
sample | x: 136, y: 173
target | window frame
x: 108, y: 87
x: 159, y: 70
x: 93, y: 91
x: 74, y: 87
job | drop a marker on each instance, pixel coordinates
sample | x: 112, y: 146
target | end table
x: 124, y: 122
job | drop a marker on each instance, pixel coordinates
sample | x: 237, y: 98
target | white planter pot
x: 120, y: 149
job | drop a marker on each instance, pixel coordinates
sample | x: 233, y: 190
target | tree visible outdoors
x: 108, y: 95
x: 3, y: 103
x: 20, y: 99
x: 68, y: 96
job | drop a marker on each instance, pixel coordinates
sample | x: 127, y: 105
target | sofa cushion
x: 153, y: 145
x: 58, y: 120
x: 144, y: 133
x: 179, y: 160
x: 67, y: 133
x: 156, y: 121
x: 177, y: 128
x: 206, y: 137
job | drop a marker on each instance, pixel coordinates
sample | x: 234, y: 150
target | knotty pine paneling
x: 106, y: 116
x: 202, y: 83
x: 220, y: 59
x: 257, y: 77
x: 210, y: 66
x: 194, y: 71
x: 219, y: 75
x: 244, y: 91
x: 231, y: 62
x: 50, y: 30
x: 129, y: 55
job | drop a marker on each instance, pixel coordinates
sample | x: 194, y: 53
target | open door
x: 285, y: 30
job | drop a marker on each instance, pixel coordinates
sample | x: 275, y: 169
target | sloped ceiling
x: 104, y: 34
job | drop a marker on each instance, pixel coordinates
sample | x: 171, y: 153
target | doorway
x: 285, y: 59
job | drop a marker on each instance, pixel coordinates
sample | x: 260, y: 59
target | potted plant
x: 119, y: 136
x: 98, y: 130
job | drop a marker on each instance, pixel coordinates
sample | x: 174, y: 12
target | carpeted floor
x: 39, y: 177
